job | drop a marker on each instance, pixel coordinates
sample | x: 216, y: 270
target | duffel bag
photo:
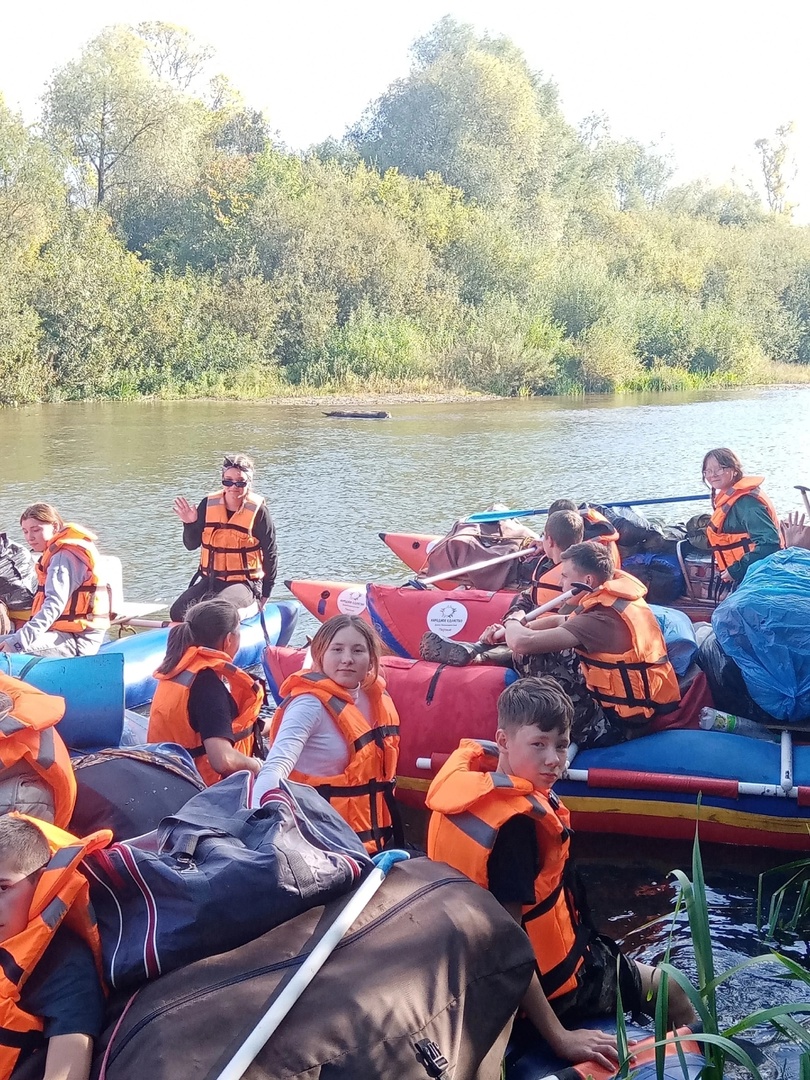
x: 217, y: 874
x: 433, y: 969
x: 131, y: 789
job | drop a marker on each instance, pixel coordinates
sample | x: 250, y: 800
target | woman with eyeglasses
x: 744, y: 526
x: 237, y: 538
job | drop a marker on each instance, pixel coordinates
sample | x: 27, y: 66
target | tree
x: 116, y: 117
x: 32, y: 194
x: 470, y: 110
x: 778, y: 168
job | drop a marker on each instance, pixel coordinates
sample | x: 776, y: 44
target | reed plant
x: 720, y: 1042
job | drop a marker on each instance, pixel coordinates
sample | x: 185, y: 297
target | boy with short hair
x: 50, y: 985
x: 496, y: 819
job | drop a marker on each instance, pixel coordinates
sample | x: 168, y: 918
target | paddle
x: 310, y: 964
x: 527, y: 552
x: 503, y: 515
x: 804, y: 490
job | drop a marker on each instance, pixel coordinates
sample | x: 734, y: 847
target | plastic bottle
x: 714, y: 720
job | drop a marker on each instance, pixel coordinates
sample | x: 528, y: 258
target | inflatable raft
x: 98, y: 688
x: 401, y: 615
x: 413, y: 549
x: 751, y: 792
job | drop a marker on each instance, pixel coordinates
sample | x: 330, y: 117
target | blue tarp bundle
x: 764, y: 626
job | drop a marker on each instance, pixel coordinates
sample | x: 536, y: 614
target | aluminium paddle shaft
x: 502, y: 515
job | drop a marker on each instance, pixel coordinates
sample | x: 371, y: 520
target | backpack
x: 424, y: 984
x: 18, y: 577
x: 217, y: 874
x: 468, y: 543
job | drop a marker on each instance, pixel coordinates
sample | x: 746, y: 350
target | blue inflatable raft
x: 97, y: 689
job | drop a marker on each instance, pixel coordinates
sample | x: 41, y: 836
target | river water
x: 334, y: 484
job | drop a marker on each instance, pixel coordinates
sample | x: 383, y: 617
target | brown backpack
x: 433, y: 968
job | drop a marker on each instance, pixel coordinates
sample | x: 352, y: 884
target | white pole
x: 787, y: 761
x: 772, y: 791
x: 482, y: 565
x: 246, y: 1054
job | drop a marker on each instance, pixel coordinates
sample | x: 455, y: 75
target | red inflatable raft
x: 749, y: 792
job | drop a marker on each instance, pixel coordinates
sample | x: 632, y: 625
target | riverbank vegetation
x: 157, y: 241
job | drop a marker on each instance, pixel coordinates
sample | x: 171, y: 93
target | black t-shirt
x: 64, y: 989
x: 211, y: 709
x: 514, y: 861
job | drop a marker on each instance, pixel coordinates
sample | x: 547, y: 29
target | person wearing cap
x: 236, y: 536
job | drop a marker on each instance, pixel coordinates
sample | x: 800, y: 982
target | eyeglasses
x: 235, y: 483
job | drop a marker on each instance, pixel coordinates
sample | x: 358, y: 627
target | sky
x: 702, y: 79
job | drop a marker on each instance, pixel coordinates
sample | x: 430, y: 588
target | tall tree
x: 778, y: 168
x: 114, y: 115
x: 470, y: 110
x: 32, y: 194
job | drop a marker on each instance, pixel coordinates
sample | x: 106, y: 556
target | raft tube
x: 683, y: 1060
x: 434, y: 702
x: 323, y: 599
x: 120, y: 673
x: 412, y: 548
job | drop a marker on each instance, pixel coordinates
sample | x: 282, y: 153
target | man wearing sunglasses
x: 237, y: 538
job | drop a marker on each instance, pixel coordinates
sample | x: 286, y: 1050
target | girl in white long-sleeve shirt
x: 338, y: 727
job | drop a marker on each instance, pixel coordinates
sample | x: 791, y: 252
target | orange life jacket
x: 728, y: 547
x: 90, y: 604
x: 546, y: 586
x: 598, y: 528
x: 168, y: 717
x: 363, y: 793
x: 640, y: 683
x: 230, y: 552
x: 61, y: 895
x: 27, y: 734
x: 471, y: 801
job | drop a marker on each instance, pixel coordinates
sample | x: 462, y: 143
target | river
x: 334, y: 484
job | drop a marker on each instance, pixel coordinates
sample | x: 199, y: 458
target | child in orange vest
x: 338, y: 731
x: 203, y: 701
x: 51, y: 996
x: 496, y: 819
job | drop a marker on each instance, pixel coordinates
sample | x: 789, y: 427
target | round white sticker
x: 447, y: 619
x: 352, y: 601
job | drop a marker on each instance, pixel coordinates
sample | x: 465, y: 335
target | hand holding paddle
x: 184, y: 510
x: 496, y: 634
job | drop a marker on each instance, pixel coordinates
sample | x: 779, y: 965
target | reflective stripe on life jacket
x: 229, y: 550
x: 640, y: 683
x: 61, y: 896
x: 729, y: 548
x: 169, y: 719
x: 598, y: 528
x: 363, y: 793
x: 471, y: 801
x: 27, y: 734
x: 90, y: 604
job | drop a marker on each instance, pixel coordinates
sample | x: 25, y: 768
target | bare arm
x: 522, y: 639
x: 68, y: 1057
x: 225, y: 759
x: 581, y: 1044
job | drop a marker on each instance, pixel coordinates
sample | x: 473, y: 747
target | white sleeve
x: 300, y: 718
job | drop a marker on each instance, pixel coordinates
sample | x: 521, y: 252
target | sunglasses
x: 235, y: 483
